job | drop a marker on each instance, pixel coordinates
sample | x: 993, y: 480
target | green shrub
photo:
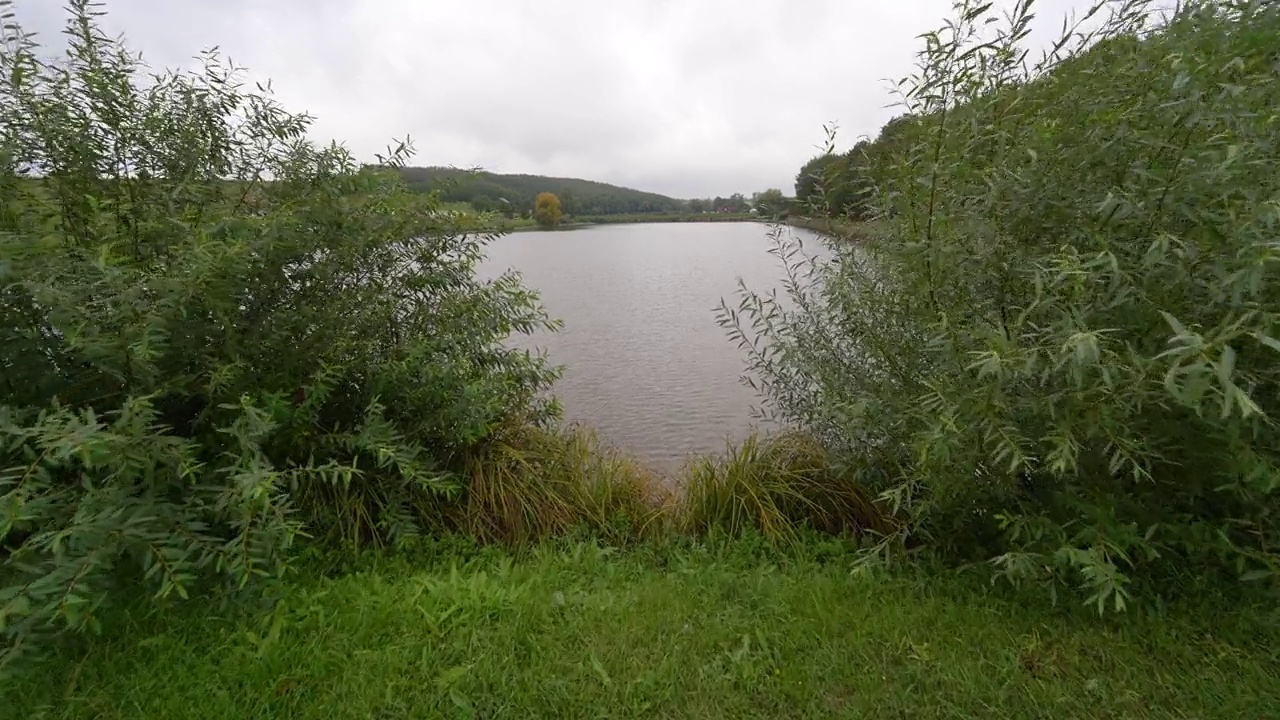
x: 216, y: 335
x: 1058, y: 351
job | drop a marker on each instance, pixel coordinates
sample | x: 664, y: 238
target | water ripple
x: 646, y: 364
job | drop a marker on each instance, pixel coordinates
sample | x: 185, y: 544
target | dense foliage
x: 840, y: 185
x: 1056, y: 347
x: 215, y: 336
x: 831, y: 185
x: 772, y: 203
x: 516, y: 194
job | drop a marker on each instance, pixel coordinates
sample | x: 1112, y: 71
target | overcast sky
x: 688, y: 98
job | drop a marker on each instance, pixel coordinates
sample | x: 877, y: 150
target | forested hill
x: 516, y: 193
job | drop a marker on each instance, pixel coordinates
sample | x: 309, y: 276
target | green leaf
x: 1226, y: 365
x: 1269, y: 341
x: 1178, y: 328
x: 600, y: 671
x: 462, y: 702
x: 452, y: 675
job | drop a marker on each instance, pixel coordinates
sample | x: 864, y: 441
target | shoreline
x: 822, y: 226
x: 635, y: 219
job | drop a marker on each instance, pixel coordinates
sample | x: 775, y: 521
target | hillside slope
x: 493, y: 191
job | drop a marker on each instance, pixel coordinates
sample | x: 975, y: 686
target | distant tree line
x: 735, y: 203
x: 769, y: 202
x: 516, y: 195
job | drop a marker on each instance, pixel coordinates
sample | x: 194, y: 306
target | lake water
x: 646, y: 365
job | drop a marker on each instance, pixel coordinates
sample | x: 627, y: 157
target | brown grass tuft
x: 529, y: 483
x: 776, y: 485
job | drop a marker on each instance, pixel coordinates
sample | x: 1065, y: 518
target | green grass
x: 684, y: 631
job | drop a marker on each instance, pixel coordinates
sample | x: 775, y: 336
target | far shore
x: 525, y: 225
x: 822, y: 226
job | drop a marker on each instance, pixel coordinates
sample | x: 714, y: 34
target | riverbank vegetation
x: 220, y: 339
x: 1057, y: 354
x: 264, y: 451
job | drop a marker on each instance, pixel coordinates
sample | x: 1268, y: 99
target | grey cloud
x: 688, y: 98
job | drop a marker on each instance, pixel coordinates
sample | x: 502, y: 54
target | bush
x: 1057, y: 349
x: 216, y: 336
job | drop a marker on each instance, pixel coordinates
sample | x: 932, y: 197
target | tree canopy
x: 835, y: 184
x: 771, y: 203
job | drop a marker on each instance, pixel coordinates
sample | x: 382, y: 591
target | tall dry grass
x: 529, y: 483
x: 776, y: 485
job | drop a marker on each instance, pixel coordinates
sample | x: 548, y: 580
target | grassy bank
x: 696, y: 631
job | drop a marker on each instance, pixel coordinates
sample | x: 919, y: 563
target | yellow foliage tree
x: 546, y: 210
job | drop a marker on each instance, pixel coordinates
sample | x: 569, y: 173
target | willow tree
x: 1057, y: 348
x: 546, y: 210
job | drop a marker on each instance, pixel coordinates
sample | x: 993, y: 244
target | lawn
x: 689, y: 631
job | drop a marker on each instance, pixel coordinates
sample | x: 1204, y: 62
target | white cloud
x: 688, y: 98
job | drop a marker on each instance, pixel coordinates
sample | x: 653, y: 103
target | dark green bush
x: 1056, y: 346
x: 216, y: 335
